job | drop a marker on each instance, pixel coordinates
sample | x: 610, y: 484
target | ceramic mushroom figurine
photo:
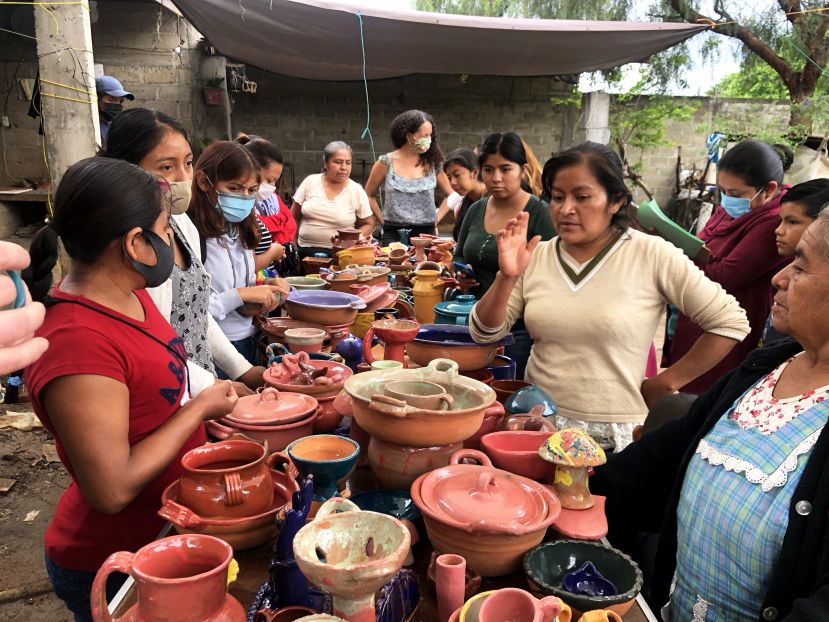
x: 573, y: 452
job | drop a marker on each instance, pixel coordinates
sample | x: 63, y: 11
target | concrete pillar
x: 594, y: 124
x: 64, y: 50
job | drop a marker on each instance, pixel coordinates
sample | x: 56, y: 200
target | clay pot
x: 600, y: 615
x: 240, y: 533
x: 341, y: 281
x: 179, y: 579
x: 517, y: 605
x: 517, y: 452
x: 452, y: 342
x: 330, y: 308
x: 419, y: 427
x: 397, y: 256
x: 420, y: 394
x: 229, y: 479
x: 286, y: 614
x: 328, y: 417
x: 279, y: 377
x: 346, y: 237
x: 277, y: 436
x: 504, y: 388
x: 546, y: 565
x: 493, y: 418
x: 397, y: 467
x: 272, y: 407
x: 328, y: 457
x: 313, y: 265
x: 360, y: 255
x: 488, y: 516
x: 353, y: 554
x: 450, y: 580
x: 305, y: 339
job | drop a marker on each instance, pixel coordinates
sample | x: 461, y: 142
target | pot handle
x: 117, y: 562
x: 368, y: 355
x: 550, y: 606
x: 448, y: 402
x: 473, y: 454
x: 335, y: 505
x: 268, y: 395
x: 222, y: 432
x: 389, y: 406
x: 235, y: 490
x: 180, y: 515
x: 279, y: 459
x: 442, y: 370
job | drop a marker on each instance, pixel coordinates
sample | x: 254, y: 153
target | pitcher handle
x: 472, y: 454
x: 234, y: 488
x: 117, y: 562
x: 551, y: 608
x: 282, y: 459
x: 368, y: 355
x: 334, y: 505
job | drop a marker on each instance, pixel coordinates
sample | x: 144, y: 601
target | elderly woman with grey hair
x: 329, y: 201
x: 739, y: 487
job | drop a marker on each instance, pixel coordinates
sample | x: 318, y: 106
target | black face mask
x: 164, y: 255
x: 110, y: 110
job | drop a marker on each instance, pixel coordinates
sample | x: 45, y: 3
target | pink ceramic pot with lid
x: 271, y: 407
x: 489, y: 516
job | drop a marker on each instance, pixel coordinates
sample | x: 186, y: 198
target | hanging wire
x: 367, y: 129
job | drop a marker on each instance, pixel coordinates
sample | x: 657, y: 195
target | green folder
x: 650, y: 216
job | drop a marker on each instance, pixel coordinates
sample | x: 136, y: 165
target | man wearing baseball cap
x: 111, y: 96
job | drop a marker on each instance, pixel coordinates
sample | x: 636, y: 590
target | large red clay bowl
x: 517, y: 452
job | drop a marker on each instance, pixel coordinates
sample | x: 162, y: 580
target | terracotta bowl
x: 517, y: 452
x: 481, y: 375
x: 306, y: 282
x: 397, y: 466
x: 546, y: 565
x: 418, y: 427
x: 320, y: 315
x: 278, y: 436
x: 504, y: 388
x: 278, y: 376
x: 274, y: 328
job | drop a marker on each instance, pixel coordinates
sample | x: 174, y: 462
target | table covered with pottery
x: 254, y: 564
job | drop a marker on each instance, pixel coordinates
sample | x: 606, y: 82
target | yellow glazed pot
x: 360, y: 255
x: 427, y: 290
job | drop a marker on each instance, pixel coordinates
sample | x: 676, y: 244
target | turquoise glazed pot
x: 455, y: 311
x: 328, y: 457
x: 523, y: 400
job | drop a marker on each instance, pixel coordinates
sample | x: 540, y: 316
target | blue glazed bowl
x: 523, y: 400
x: 502, y: 368
x: 328, y: 457
x: 396, y: 503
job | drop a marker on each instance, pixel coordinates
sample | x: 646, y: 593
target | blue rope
x: 366, y: 130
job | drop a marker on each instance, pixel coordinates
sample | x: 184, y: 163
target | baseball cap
x: 110, y: 86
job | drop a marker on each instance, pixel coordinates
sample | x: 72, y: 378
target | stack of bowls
x: 335, y: 310
x: 408, y: 440
x: 271, y: 416
x: 232, y: 490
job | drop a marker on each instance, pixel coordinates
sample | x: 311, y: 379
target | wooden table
x: 254, y: 564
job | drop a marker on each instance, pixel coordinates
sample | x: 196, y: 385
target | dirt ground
x: 25, y: 456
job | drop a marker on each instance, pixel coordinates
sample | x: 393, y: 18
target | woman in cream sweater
x: 592, y: 298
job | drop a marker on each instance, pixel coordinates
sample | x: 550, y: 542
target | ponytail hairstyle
x: 135, y: 132
x: 263, y: 151
x: 89, y: 216
x: 606, y: 167
x: 222, y: 160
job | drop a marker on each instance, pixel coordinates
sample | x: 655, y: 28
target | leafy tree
x: 753, y: 81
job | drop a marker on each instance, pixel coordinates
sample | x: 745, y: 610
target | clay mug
x: 228, y: 479
x: 420, y: 394
x: 397, y: 256
x: 285, y: 614
x: 377, y: 365
x: 519, y: 606
x: 601, y: 615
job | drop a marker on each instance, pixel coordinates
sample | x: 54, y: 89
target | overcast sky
x: 700, y: 77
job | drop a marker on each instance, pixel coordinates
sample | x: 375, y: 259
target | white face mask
x: 180, y: 191
x: 265, y: 191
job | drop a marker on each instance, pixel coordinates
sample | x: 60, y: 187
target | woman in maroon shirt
x: 113, y: 386
x: 740, y: 236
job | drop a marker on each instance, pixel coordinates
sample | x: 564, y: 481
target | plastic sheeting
x: 321, y: 40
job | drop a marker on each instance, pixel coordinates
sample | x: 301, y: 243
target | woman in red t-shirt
x: 113, y: 386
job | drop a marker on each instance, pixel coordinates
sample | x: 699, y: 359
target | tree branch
x: 749, y: 39
x: 791, y: 6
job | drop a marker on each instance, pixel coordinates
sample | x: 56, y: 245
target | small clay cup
x: 397, y: 256
x: 376, y: 365
x: 420, y: 394
x: 305, y: 339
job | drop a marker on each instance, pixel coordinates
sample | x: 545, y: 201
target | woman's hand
x: 266, y: 296
x: 252, y: 378
x: 277, y: 251
x: 654, y: 389
x: 18, y: 345
x: 217, y: 400
x: 465, y: 283
x: 514, y: 252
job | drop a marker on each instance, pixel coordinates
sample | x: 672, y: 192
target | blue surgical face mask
x: 234, y: 207
x: 737, y: 206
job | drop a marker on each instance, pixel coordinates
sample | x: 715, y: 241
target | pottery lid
x: 272, y: 407
x: 572, y: 447
x: 460, y: 305
x: 483, y: 499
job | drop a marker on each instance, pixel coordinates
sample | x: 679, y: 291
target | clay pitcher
x: 229, y: 479
x: 427, y: 292
x: 519, y: 606
x: 177, y: 579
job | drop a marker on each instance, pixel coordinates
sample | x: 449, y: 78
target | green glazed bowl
x: 546, y: 565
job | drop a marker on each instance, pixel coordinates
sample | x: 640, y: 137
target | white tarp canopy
x: 321, y: 40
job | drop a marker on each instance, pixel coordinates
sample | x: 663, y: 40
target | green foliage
x: 639, y: 121
x: 541, y: 9
x: 755, y: 81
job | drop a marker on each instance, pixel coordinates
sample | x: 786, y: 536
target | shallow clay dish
x: 452, y: 342
x: 546, y: 565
